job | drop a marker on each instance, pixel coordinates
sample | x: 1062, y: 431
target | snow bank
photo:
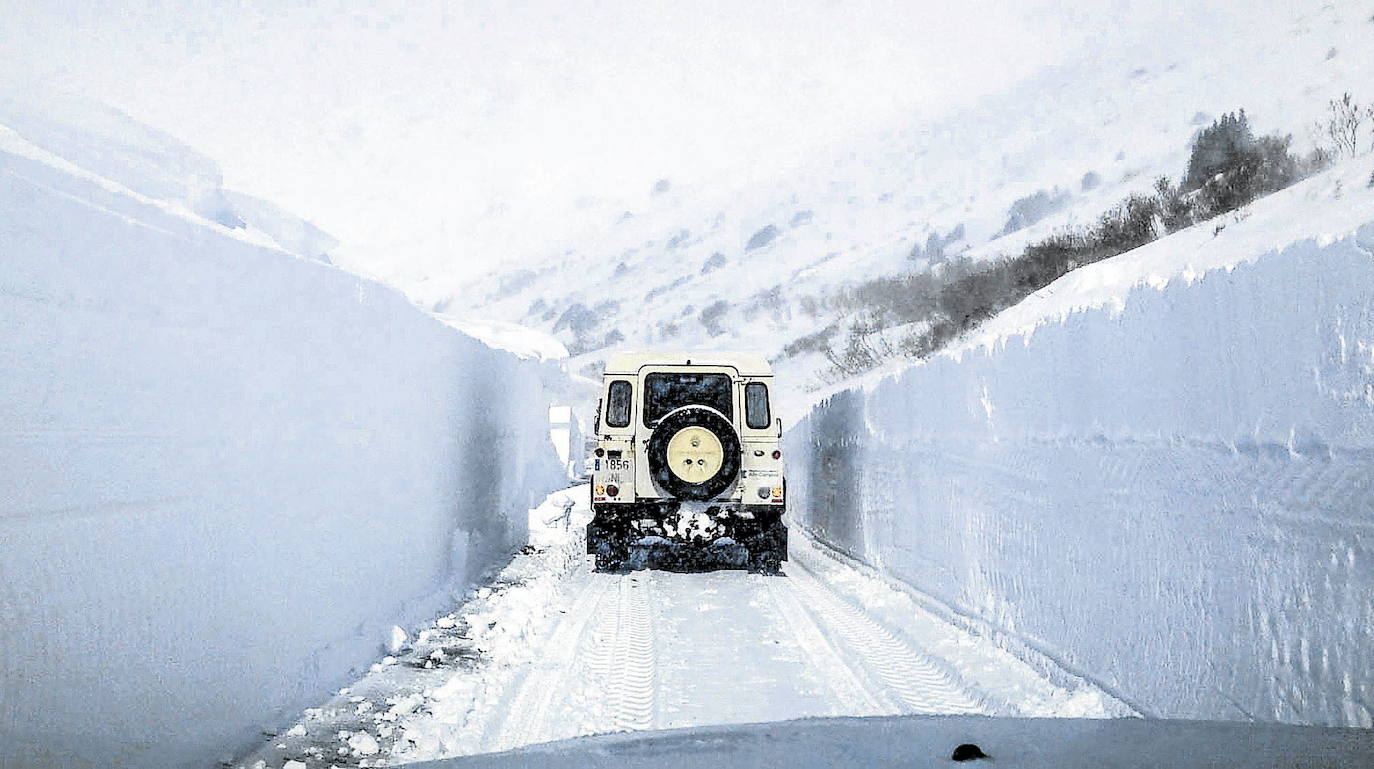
x: 521, y: 340
x: 112, y: 150
x: 1156, y: 471
x: 225, y: 473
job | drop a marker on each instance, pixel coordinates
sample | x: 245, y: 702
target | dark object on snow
x: 620, y: 544
x: 715, y: 261
x: 761, y: 238
x: 968, y: 752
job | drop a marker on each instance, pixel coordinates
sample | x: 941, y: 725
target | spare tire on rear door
x: 694, y: 453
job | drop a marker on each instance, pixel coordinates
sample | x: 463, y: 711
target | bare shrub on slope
x: 1341, y: 127
x: 1228, y: 168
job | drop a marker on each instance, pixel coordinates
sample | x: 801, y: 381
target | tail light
x: 777, y: 454
x: 612, y: 491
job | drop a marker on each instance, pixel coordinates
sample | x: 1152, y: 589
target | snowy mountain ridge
x: 762, y: 271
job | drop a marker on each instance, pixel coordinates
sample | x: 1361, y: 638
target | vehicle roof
x: 748, y: 364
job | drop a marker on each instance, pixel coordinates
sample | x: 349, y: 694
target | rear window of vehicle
x: 664, y: 392
x: 618, y: 402
x: 756, y: 413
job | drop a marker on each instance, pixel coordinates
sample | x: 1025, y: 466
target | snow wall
x: 1174, y: 498
x: 224, y: 473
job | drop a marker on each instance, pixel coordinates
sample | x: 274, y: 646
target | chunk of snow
x: 406, y: 705
x: 363, y: 744
x: 396, y: 639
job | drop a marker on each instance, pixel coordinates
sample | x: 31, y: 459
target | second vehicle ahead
x: 687, y: 469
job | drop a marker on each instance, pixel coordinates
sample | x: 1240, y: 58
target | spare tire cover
x: 694, y: 453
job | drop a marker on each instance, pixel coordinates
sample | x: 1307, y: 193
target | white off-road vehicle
x: 687, y: 469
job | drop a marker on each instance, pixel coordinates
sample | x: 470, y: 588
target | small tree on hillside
x: 1218, y: 148
x: 1265, y: 167
x: 1341, y: 126
x: 1175, y: 209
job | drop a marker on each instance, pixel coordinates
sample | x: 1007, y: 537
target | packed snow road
x: 660, y: 650
x: 553, y: 649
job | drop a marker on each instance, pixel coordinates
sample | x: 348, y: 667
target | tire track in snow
x: 531, y: 711
x: 599, y: 670
x: 852, y: 696
x: 913, y: 682
x: 631, y: 681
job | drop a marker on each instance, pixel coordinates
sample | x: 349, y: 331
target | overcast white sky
x: 430, y: 133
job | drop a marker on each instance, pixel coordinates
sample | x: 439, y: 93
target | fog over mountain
x: 442, y: 139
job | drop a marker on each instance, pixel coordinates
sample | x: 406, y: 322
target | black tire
x: 765, y: 563
x: 609, y: 563
x: 694, y: 416
x: 609, y: 548
x: 768, y: 548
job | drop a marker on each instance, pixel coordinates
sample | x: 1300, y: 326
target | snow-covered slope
x: 749, y: 263
x: 225, y: 470
x: 102, y: 144
x: 1155, y: 470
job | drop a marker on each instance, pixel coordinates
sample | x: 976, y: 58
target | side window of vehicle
x: 756, y: 413
x: 618, y: 402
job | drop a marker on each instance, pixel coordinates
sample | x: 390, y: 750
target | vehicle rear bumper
x: 670, y: 526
